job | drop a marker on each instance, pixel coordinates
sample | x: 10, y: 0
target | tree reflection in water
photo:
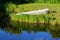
x: 17, y: 27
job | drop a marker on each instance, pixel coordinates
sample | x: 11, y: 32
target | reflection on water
x: 17, y: 27
x: 24, y: 35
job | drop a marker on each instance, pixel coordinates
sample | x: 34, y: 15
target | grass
x: 42, y: 18
x: 30, y: 7
x: 27, y: 18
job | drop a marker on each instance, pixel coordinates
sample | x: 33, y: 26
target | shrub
x: 11, y: 8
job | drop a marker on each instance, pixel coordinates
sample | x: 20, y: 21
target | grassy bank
x: 13, y: 8
x: 52, y: 17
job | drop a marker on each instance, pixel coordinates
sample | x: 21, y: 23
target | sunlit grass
x: 41, y: 18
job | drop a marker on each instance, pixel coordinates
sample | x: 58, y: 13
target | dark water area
x: 24, y: 35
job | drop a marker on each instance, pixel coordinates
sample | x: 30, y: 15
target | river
x: 24, y: 35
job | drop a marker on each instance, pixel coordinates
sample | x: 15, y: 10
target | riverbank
x: 52, y: 17
x: 45, y: 22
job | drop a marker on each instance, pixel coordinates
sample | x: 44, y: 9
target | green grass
x: 27, y: 18
x: 30, y: 7
x: 41, y: 18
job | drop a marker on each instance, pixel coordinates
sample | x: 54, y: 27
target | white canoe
x: 36, y: 12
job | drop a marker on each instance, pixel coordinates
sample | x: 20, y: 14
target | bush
x: 48, y: 1
x: 10, y: 8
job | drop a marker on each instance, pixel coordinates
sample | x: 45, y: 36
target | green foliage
x: 31, y: 1
x: 10, y: 8
x: 30, y: 7
x: 48, y: 1
x: 18, y: 1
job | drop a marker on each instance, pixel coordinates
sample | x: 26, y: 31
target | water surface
x: 24, y: 35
